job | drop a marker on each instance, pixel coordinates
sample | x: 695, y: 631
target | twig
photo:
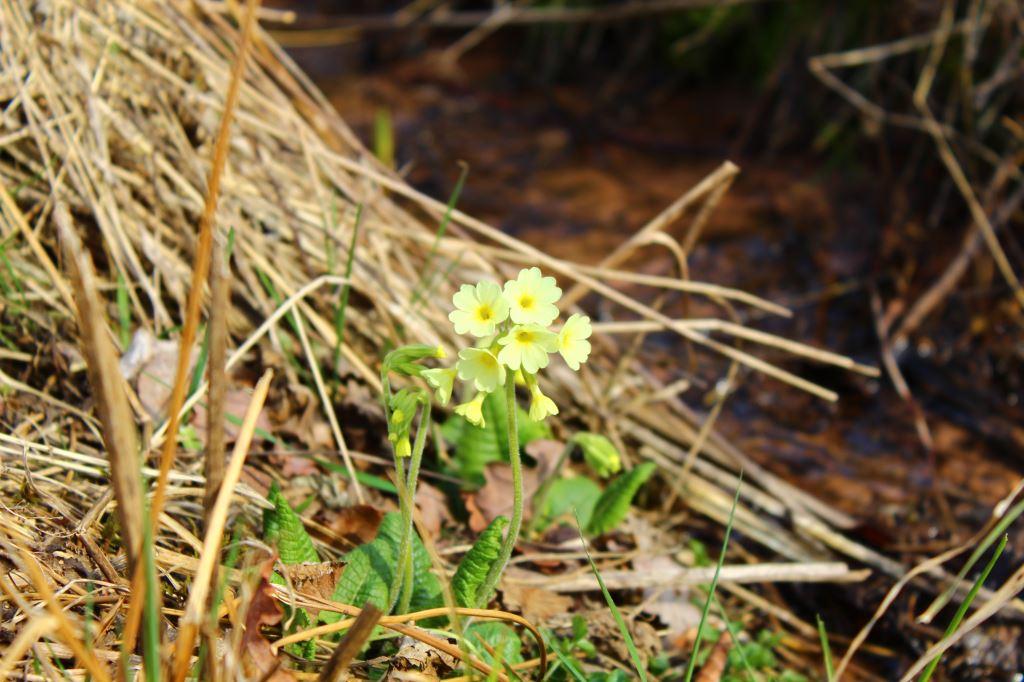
x: 350, y: 644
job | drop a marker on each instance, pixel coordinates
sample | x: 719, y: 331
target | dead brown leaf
x: 316, y: 579
x: 536, y: 604
x: 295, y: 465
x: 357, y: 524
x: 236, y: 401
x: 672, y: 605
x: 258, y: 658
x: 604, y: 633
x: 414, y: 655
x: 433, y: 507
x: 715, y: 665
x: 151, y: 364
x: 495, y: 497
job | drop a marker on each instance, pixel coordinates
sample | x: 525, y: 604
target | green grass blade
x: 124, y: 311
x: 384, y: 138
x: 962, y: 611
x: 979, y: 551
x: 735, y: 634
x: 616, y: 614
x: 151, y: 608
x: 826, y: 650
x: 564, y: 660
x: 692, y: 665
x: 426, y: 279
x: 369, y: 480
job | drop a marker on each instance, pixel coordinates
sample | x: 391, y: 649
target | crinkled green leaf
x: 476, y: 447
x: 306, y: 649
x: 284, y: 528
x: 473, y: 569
x: 366, y: 578
x: 508, y: 649
x: 577, y: 493
x: 369, y: 569
x: 613, y: 505
x: 426, y: 592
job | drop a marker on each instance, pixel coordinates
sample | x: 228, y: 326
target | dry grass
x: 112, y: 110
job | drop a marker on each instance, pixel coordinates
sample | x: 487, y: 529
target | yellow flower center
x: 523, y: 336
x: 488, y: 360
x: 526, y: 301
x: 484, y: 313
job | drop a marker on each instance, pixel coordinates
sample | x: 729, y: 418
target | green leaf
x: 600, y: 454
x: 565, y: 495
x: 306, y: 649
x: 508, y: 649
x: 283, y: 527
x: 426, y: 592
x: 476, y: 447
x: 613, y: 505
x: 370, y: 568
x: 473, y: 569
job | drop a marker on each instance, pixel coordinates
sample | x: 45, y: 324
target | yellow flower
x: 479, y: 309
x: 481, y: 367
x: 473, y: 410
x: 572, y: 340
x: 531, y: 298
x: 442, y: 380
x: 527, y: 347
x: 541, y: 406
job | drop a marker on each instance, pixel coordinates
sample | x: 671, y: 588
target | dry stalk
x: 210, y: 555
x: 108, y: 389
x: 350, y: 644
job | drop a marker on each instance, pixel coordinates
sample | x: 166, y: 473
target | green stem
x: 498, y: 567
x: 402, y: 582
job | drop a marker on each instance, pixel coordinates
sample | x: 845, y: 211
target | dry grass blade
x: 200, y: 270
x: 1000, y: 598
x: 26, y: 639
x: 119, y: 435
x: 210, y: 555
x: 350, y: 644
x: 216, y: 376
x: 204, y: 246
x: 67, y: 631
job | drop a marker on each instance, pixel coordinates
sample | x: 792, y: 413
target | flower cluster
x: 514, y: 341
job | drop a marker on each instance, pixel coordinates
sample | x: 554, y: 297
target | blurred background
x: 879, y: 198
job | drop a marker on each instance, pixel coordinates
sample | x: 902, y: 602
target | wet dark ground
x: 576, y: 179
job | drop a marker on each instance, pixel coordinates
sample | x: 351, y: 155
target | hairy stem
x: 498, y: 567
x: 402, y: 582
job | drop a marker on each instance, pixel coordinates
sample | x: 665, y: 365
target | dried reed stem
x: 119, y: 434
